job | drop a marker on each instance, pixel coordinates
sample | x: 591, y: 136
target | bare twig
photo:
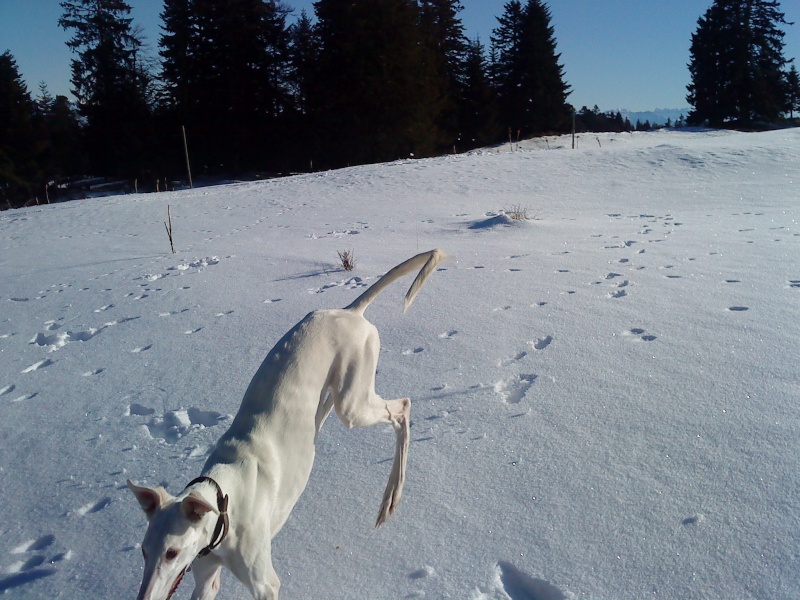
x: 169, y: 229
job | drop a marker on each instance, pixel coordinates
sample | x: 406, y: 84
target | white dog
x: 261, y: 465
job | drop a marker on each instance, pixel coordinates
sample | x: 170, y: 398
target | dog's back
x: 279, y: 418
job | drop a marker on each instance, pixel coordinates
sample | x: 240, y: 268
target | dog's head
x: 178, y: 529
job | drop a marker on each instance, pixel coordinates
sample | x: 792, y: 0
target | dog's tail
x: 425, y: 262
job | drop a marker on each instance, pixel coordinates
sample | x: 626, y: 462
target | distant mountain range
x: 658, y: 116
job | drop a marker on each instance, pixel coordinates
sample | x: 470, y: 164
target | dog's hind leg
x: 400, y: 416
x: 358, y: 405
x: 207, y: 573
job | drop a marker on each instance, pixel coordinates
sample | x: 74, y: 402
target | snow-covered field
x: 606, y: 397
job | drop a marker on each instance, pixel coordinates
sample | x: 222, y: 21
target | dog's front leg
x: 252, y: 565
x: 207, y: 573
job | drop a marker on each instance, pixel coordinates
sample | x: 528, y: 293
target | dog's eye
x: 171, y: 554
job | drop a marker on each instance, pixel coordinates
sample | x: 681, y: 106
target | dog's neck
x: 223, y: 524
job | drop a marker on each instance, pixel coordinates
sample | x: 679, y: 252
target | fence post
x: 186, y: 151
x: 573, y: 128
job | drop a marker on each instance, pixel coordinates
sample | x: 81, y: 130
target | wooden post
x: 186, y: 151
x: 573, y: 128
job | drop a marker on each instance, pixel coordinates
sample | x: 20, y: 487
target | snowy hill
x: 605, y: 396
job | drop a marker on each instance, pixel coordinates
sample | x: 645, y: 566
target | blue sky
x: 616, y: 54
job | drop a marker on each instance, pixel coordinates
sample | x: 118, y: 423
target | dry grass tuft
x: 517, y: 213
x: 347, y: 259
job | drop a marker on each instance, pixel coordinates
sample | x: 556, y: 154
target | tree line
x: 258, y: 92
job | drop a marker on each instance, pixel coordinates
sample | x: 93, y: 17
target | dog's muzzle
x: 178, y: 580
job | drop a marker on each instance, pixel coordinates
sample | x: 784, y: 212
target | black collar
x: 221, y: 529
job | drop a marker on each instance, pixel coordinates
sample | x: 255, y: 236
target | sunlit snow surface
x: 605, y: 397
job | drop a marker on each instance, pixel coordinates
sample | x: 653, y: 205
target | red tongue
x: 176, y: 584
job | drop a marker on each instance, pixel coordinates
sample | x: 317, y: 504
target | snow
x: 604, y: 396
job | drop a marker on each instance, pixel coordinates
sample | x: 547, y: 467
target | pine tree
x: 110, y: 83
x: 447, y: 50
x: 478, y: 116
x: 181, y: 80
x: 301, y: 130
x: 225, y: 75
x: 58, y: 133
x: 445, y: 31
x: 303, y: 56
x: 793, y: 90
x: 45, y: 101
x: 737, y: 64
x: 180, y: 73
x: 374, y: 94
x: 506, y: 50
x: 527, y: 74
x: 767, y: 98
x: 19, y: 171
x: 711, y: 68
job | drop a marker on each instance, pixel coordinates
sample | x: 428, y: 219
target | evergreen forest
x: 247, y: 89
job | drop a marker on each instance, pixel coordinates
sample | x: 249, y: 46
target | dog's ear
x: 150, y: 499
x: 195, y: 507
